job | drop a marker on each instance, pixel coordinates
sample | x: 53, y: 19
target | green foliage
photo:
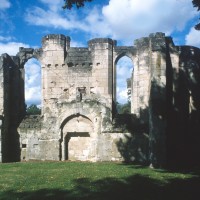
x: 33, y: 110
x: 196, y: 3
x: 91, y: 181
x: 124, y: 108
x: 78, y: 3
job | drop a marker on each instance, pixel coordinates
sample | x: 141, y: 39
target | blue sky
x: 24, y: 23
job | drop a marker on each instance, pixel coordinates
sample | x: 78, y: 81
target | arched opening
x: 76, y: 139
x: 33, y: 83
x: 123, y: 74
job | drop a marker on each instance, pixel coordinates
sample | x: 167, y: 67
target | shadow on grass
x: 135, y: 187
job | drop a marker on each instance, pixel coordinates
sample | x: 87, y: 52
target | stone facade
x: 79, y: 119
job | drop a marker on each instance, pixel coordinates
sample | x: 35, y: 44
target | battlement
x: 100, y: 40
x: 57, y: 39
x: 101, y: 43
x: 157, y: 34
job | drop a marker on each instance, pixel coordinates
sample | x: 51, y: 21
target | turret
x: 54, y: 48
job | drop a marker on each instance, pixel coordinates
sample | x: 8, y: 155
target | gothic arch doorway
x: 76, y: 139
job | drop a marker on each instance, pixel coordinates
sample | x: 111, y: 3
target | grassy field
x: 83, y: 180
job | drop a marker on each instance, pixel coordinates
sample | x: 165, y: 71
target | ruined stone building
x: 79, y: 120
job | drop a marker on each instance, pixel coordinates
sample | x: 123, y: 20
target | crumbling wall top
x: 157, y: 41
x: 55, y: 37
x: 102, y: 40
x: 25, y: 54
x: 59, y: 39
x: 142, y: 43
x: 31, y: 121
x: 158, y: 35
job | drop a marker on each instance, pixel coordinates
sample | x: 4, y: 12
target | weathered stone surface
x: 79, y: 119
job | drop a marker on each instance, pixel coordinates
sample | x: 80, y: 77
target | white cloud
x: 96, y: 24
x: 50, y: 18
x: 124, y: 66
x: 123, y: 20
x: 33, y: 96
x: 93, y: 21
x: 135, y: 18
x: 40, y: 17
x: 76, y: 44
x: 193, y: 38
x: 6, y: 24
x: 122, y: 96
x: 33, y: 82
x: 11, y: 48
x: 124, y: 69
x: 5, y: 39
x: 4, y: 4
x: 53, y: 5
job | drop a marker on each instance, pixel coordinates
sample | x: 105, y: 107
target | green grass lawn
x: 83, y: 180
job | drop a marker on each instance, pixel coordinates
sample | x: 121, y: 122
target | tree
x: 33, y: 110
x: 78, y: 3
x: 196, y: 3
x: 124, y: 108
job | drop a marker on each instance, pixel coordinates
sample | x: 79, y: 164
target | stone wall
x: 12, y: 107
x: 79, y: 119
x: 30, y: 131
x: 183, y: 114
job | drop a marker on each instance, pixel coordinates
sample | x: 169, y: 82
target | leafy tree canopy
x: 33, y: 110
x: 78, y: 3
x: 196, y: 3
x: 124, y: 108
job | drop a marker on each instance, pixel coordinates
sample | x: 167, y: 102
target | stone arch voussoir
x: 121, y: 52
x: 70, y: 117
x: 25, y: 54
x: 76, y: 138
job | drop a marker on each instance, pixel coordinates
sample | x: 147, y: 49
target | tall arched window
x: 32, y: 82
x: 124, y: 69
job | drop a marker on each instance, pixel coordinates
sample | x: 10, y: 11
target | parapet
x: 158, y: 35
x: 156, y: 39
x: 101, y: 41
x: 59, y: 39
x: 142, y: 43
